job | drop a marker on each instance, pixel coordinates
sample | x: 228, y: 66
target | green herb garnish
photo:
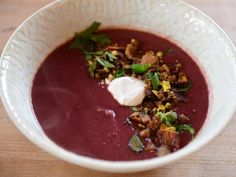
x: 140, y: 68
x: 120, y: 73
x: 185, y: 87
x: 92, y: 67
x: 155, y: 81
x: 134, y: 109
x: 136, y: 144
x: 101, y: 39
x: 90, y: 30
x: 92, y: 55
x: 105, y: 63
x: 87, y: 40
x: 101, y: 54
x: 168, y: 50
x: 167, y: 118
x: 101, y: 57
x: 149, y: 75
x: 185, y: 127
x: 109, y: 56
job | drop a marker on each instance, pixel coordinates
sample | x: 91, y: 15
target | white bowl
x: 54, y: 24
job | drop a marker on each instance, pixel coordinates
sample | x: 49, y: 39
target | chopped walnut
x: 178, y: 67
x: 145, y: 118
x: 159, y: 94
x: 149, y: 58
x: 117, y: 53
x: 150, y: 147
x: 145, y: 133
x: 154, y: 124
x: 135, y: 117
x: 131, y: 48
x: 164, y: 68
x: 115, y: 47
x: 182, y: 78
x: 169, y: 137
x: 163, y: 150
x: 140, y: 117
x: 164, y: 76
x: 183, y: 117
x: 172, y: 78
x: 176, y: 97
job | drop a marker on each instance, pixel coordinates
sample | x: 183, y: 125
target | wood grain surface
x: 20, y: 158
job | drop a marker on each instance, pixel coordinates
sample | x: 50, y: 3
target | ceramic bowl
x: 181, y: 23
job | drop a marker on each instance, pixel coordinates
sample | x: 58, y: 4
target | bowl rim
x: 105, y: 165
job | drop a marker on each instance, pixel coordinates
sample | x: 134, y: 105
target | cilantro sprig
x: 87, y: 40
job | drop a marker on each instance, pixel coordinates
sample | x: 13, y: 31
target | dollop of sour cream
x: 127, y: 91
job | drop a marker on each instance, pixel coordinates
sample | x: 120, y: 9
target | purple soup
x: 80, y: 115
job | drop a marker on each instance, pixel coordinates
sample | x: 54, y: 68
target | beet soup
x: 78, y: 113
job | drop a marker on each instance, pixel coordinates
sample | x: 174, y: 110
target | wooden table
x: 20, y: 158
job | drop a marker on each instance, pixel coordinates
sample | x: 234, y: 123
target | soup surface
x: 80, y: 115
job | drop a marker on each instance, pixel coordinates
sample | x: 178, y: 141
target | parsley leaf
x: 83, y: 43
x: 136, y: 144
x: 90, y: 30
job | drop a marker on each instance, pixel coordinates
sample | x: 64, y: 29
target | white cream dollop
x: 127, y: 91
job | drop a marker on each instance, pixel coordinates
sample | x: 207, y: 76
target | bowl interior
x: 173, y: 19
